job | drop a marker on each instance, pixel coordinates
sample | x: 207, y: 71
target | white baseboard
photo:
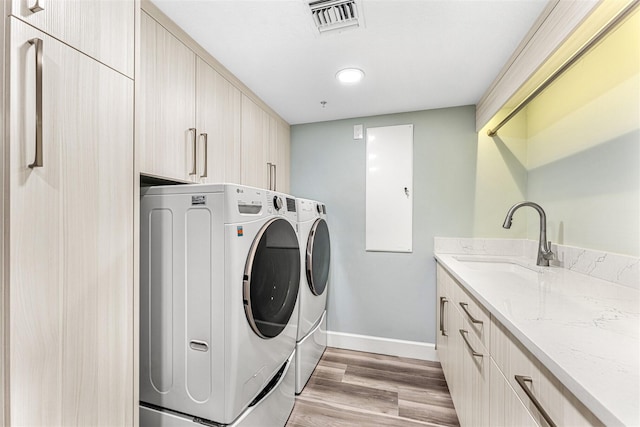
x: 388, y: 346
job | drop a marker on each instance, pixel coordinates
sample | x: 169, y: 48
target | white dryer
x: 315, y: 247
x: 219, y: 279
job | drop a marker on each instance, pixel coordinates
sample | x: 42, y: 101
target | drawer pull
x: 522, y: 380
x: 443, y: 300
x: 464, y: 337
x: 473, y: 319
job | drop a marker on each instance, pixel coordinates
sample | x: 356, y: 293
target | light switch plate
x: 357, y: 131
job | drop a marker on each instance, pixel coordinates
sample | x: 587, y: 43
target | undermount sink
x: 494, y: 265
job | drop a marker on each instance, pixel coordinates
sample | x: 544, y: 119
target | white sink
x: 497, y: 265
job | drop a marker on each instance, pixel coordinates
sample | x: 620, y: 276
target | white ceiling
x: 417, y: 54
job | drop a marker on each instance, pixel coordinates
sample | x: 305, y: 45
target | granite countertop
x: 585, y: 330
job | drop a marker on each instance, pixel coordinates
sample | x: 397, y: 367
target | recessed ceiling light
x: 350, y: 75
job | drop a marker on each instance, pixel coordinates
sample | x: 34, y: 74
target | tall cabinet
x: 68, y: 211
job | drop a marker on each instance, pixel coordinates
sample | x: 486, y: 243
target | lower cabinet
x: 465, y: 359
x: 492, y: 378
x: 505, y: 409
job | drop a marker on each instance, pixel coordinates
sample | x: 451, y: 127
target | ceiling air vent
x: 329, y: 15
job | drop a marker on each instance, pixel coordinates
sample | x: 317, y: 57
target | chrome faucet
x: 544, y: 247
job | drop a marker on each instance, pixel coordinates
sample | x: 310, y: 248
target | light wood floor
x: 355, y: 389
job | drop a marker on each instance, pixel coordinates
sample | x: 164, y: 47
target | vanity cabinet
x: 493, y: 379
x: 68, y: 281
x: 463, y: 354
x: 530, y: 381
x: 111, y: 23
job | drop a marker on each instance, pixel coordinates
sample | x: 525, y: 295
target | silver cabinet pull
x: 275, y: 177
x: 522, y: 380
x: 473, y: 319
x: 206, y: 156
x: 39, y: 160
x: 443, y: 300
x: 37, y: 7
x: 199, y: 345
x: 194, y: 171
x: 270, y: 166
x: 466, y: 340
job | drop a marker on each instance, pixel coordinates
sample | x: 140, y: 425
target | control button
x: 277, y: 203
x: 318, y: 208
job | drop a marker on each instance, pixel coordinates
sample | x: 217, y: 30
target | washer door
x: 272, y: 278
x: 318, y: 257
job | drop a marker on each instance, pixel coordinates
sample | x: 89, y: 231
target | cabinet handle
x: 522, y: 380
x: 473, y: 319
x: 275, y: 177
x: 194, y: 171
x: 270, y: 166
x: 37, y: 7
x: 466, y: 340
x: 206, y: 156
x: 443, y: 300
x: 39, y: 160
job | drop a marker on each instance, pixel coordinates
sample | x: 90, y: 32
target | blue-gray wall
x: 390, y: 295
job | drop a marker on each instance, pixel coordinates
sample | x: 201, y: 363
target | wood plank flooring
x: 355, y: 389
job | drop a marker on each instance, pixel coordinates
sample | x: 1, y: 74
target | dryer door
x: 318, y: 257
x: 272, y: 278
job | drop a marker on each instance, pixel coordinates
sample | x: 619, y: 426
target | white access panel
x: 389, y: 189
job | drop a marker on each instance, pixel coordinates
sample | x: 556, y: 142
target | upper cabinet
x: 111, y: 40
x: 198, y: 123
x: 283, y: 156
x: 168, y: 139
x: 265, y: 149
x: 218, y: 112
x: 256, y: 168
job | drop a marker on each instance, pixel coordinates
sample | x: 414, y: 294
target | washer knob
x: 277, y: 203
x: 318, y: 208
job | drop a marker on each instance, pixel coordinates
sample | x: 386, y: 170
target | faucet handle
x: 548, y: 253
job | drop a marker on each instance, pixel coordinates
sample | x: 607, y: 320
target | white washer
x: 219, y: 279
x: 315, y: 246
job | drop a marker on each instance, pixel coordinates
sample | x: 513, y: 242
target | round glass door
x: 318, y: 257
x: 272, y: 278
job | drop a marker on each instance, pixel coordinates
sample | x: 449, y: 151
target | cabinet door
x: 272, y: 154
x: 443, y: 307
x: 506, y: 409
x: 36, y: 285
x: 168, y: 138
x: 283, y: 161
x: 102, y: 29
x: 218, y: 111
x: 255, y: 140
x: 475, y: 385
x: 71, y: 255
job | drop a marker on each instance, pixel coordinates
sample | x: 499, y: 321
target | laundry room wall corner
x: 379, y: 294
